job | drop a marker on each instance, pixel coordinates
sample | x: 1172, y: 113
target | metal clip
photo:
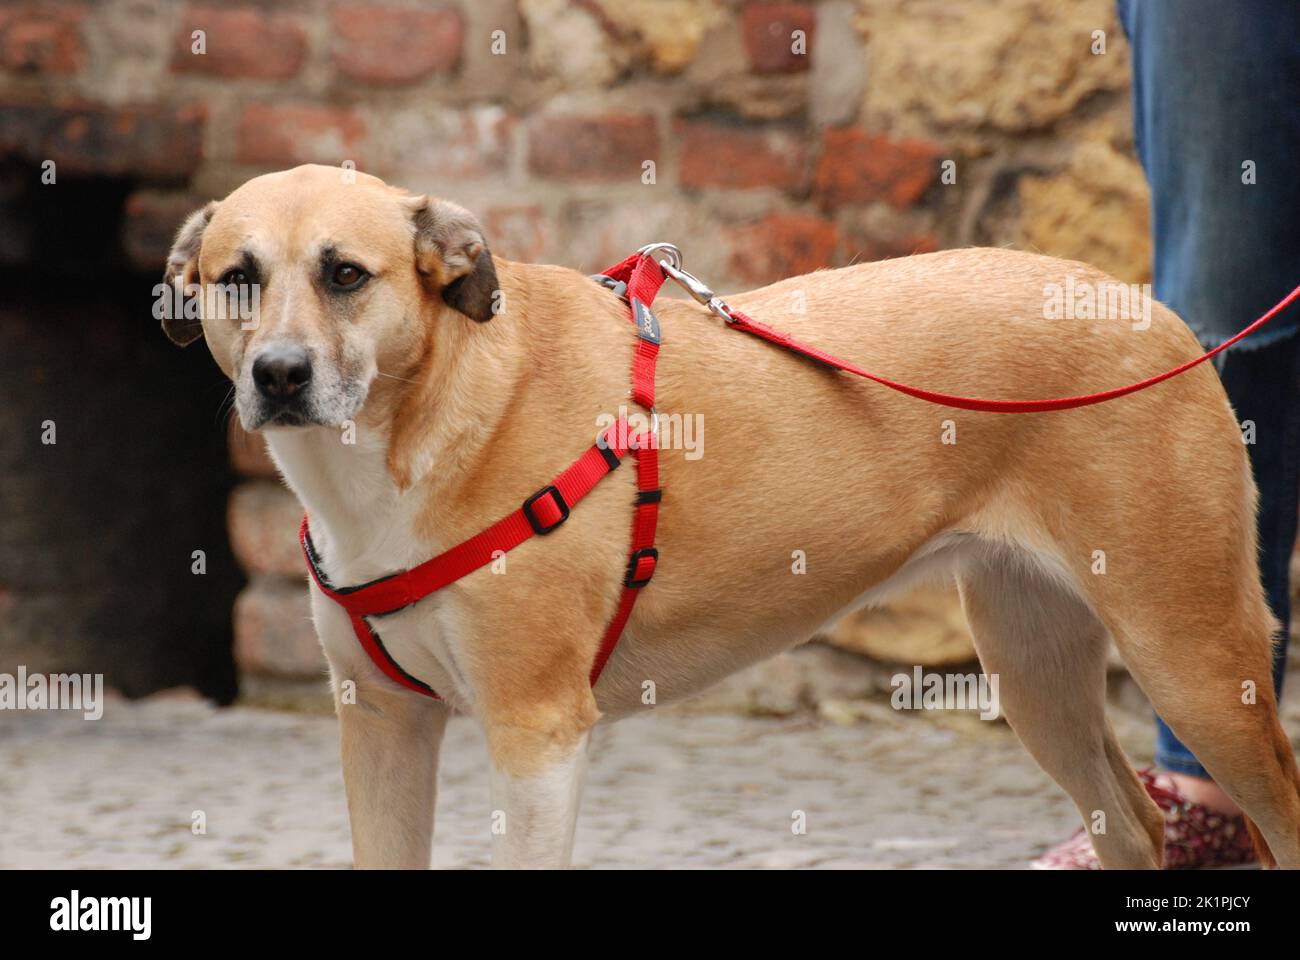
x: 689, y: 282
x: 698, y: 290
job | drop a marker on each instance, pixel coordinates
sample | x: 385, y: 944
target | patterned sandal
x: 1196, y: 838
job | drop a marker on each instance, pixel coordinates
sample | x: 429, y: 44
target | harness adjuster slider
x: 611, y: 458
x: 558, y: 509
x: 641, y: 567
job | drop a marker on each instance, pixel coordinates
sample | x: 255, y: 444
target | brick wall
x: 766, y: 139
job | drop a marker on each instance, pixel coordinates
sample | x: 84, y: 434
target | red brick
x: 516, y: 232
x: 240, y: 42
x: 146, y: 142
x: 273, y: 631
x: 289, y: 134
x: 383, y: 44
x: 43, y: 40
x: 860, y: 167
x: 726, y: 155
x: 592, y: 148
x: 248, y: 453
x: 262, y: 519
x: 768, y: 29
x: 782, y: 245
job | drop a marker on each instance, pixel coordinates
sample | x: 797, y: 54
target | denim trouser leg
x: 1216, y: 98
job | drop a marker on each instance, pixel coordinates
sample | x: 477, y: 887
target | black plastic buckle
x: 618, y: 286
x: 636, y: 558
x: 537, y: 525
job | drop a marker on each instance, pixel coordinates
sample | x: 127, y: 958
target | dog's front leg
x: 535, y: 805
x: 390, y: 740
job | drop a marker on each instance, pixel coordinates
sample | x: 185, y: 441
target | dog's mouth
x: 290, y: 413
x: 289, y: 418
x: 299, y: 412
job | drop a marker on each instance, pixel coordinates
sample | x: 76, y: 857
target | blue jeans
x: 1216, y: 98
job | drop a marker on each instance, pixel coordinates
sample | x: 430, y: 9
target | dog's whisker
x: 391, y: 376
x: 225, y: 408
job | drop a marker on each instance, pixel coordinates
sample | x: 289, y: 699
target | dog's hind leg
x: 390, y: 740
x: 1205, y: 664
x: 1048, y: 651
x: 1180, y: 593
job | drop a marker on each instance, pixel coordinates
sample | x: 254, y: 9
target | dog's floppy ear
x: 453, y: 258
x: 183, y: 270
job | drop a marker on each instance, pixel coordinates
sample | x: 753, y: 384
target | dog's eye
x: 233, y: 277
x: 348, y: 276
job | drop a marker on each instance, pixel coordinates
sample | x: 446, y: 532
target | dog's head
x: 308, y: 284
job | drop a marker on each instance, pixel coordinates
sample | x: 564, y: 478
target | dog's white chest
x: 362, y: 528
x: 419, y: 641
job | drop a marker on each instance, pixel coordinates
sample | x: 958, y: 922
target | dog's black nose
x: 280, y: 372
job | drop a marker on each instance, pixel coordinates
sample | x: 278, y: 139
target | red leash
x: 739, y: 321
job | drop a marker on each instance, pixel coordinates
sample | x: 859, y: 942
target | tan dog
x: 472, y: 381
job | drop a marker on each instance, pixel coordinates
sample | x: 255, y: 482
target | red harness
x: 640, y: 277
x: 637, y: 279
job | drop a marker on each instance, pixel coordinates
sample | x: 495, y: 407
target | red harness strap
x: 643, y: 283
x: 541, y: 513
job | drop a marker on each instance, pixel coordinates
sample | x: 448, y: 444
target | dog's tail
x: 1287, y: 758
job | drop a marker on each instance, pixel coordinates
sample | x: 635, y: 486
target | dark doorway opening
x: 113, y: 549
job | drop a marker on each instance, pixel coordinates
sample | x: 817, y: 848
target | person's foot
x: 1197, y: 837
x: 1202, y: 791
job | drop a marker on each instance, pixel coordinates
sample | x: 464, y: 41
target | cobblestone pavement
x: 712, y: 785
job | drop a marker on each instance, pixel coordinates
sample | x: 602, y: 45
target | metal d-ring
x: 674, y: 255
x: 653, y: 416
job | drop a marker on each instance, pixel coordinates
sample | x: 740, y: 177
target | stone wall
x: 766, y: 139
